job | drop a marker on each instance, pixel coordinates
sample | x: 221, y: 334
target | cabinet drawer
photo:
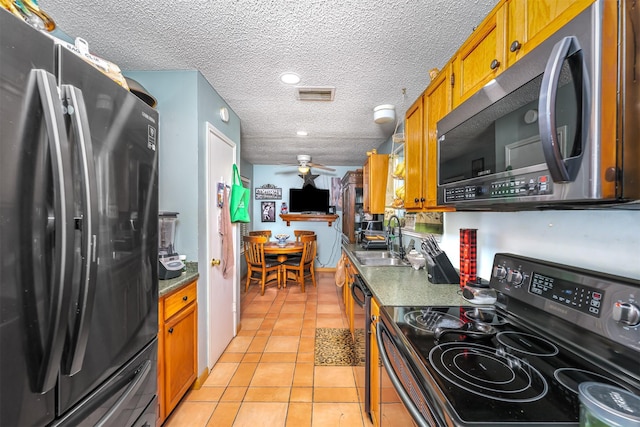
x: 180, y: 299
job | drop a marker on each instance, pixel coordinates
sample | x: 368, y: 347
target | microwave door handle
x: 77, y: 112
x: 546, y: 107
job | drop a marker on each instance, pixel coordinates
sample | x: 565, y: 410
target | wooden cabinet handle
x: 184, y: 298
x: 495, y: 64
x: 170, y: 330
x: 515, y: 46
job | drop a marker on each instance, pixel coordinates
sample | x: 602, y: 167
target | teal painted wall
x: 186, y: 102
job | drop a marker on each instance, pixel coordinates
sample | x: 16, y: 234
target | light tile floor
x: 266, y: 376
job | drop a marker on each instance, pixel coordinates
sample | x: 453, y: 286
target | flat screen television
x: 309, y: 200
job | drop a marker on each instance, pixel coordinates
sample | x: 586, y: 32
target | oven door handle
x: 562, y: 169
x: 402, y: 393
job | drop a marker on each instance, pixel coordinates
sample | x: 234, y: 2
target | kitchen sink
x: 380, y: 259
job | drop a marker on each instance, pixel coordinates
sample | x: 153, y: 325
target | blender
x: 170, y: 265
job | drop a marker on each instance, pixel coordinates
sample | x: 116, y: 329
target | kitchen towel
x: 227, y: 238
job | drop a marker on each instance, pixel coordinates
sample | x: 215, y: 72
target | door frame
x: 210, y: 227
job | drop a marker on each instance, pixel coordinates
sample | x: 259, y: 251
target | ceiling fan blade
x: 319, y: 166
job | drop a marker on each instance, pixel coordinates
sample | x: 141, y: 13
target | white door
x: 222, y: 293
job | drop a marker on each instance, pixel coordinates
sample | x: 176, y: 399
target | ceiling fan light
x: 303, y: 169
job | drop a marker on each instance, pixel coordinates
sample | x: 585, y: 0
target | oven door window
x: 506, y: 136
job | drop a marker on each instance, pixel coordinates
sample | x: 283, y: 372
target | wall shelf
x: 309, y: 217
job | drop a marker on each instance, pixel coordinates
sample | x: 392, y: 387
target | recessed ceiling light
x: 302, y: 133
x: 290, y: 78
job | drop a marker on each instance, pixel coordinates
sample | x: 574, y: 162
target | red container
x: 468, y: 261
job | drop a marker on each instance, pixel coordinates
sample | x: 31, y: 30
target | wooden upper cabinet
x: 437, y: 103
x: 414, y: 156
x: 421, y: 143
x: 481, y: 58
x: 530, y: 22
x: 374, y: 182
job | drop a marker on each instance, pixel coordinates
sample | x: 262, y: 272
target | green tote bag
x: 239, y: 204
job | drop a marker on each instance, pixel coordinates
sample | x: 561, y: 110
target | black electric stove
x: 521, y: 360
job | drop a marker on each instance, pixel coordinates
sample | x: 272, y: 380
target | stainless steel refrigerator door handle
x: 402, y: 393
x: 77, y: 113
x: 560, y: 170
x: 127, y: 395
x: 61, y: 170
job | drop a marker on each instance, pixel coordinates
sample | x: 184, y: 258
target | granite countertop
x: 168, y: 286
x: 404, y: 285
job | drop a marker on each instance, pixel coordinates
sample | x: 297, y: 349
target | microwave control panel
x: 513, y: 186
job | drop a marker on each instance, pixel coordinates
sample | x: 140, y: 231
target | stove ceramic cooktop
x: 492, y: 375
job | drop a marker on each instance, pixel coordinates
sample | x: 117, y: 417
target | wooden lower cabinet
x: 177, y: 347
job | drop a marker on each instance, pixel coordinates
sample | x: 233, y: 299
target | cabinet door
x: 414, y: 156
x: 480, y: 59
x: 374, y: 379
x: 180, y: 358
x: 366, y: 189
x: 348, y: 214
x: 374, y: 182
x: 530, y: 22
x: 437, y: 103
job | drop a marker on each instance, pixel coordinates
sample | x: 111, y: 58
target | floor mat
x: 336, y: 347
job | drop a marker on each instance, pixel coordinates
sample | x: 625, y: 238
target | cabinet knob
x: 215, y: 262
x: 184, y: 298
x: 495, y: 64
x: 170, y: 330
x: 422, y: 199
x: 416, y: 200
x: 515, y: 46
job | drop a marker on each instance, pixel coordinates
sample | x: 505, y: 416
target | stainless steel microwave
x: 559, y: 128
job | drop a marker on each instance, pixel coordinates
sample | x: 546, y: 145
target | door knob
x: 215, y: 262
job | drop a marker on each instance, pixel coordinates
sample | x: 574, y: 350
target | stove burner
x: 570, y: 378
x: 480, y: 370
x: 427, y: 320
x: 485, y: 315
x: 527, y: 343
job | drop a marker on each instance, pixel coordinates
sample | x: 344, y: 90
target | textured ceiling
x: 369, y: 50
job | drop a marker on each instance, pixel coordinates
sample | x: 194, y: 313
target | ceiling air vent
x: 308, y: 93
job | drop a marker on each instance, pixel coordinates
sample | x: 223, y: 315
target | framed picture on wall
x: 268, y: 211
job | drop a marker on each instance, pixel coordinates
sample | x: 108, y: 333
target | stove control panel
x: 602, y: 303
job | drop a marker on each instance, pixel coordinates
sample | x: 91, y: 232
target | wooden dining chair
x: 304, y: 267
x: 299, y: 233
x: 260, y: 233
x: 260, y: 269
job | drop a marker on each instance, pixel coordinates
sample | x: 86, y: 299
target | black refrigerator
x: 79, y: 240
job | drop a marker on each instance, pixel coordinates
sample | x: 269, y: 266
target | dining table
x: 283, y: 252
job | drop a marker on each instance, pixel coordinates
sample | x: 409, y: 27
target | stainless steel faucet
x: 391, y: 232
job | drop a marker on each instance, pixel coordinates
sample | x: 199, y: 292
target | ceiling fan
x: 304, y: 164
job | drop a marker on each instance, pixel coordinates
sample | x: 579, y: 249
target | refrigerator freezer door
x: 36, y: 225
x: 124, y: 317
x: 123, y: 399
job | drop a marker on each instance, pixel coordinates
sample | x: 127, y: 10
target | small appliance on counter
x: 372, y: 235
x: 170, y: 266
